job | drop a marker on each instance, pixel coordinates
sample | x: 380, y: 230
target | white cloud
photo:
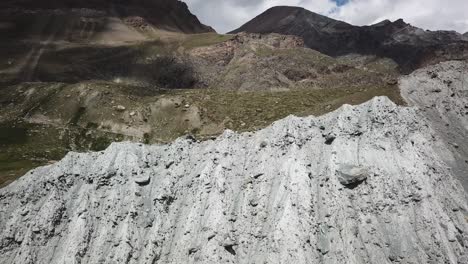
x: 427, y: 14
x: 227, y: 15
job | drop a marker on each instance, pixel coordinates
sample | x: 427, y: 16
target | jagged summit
x: 289, y: 19
x: 382, y: 23
x: 409, y: 46
x: 280, y: 18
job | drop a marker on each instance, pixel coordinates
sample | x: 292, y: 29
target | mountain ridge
x: 409, y: 46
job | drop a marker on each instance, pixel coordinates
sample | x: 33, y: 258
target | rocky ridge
x: 363, y: 184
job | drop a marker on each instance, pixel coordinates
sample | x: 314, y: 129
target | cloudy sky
x: 226, y: 15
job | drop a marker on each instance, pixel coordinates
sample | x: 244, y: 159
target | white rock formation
x: 441, y: 92
x: 272, y: 196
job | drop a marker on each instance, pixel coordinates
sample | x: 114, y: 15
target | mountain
x: 335, y: 158
x: 409, y: 46
x: 82, y: 20
x: 364, y: 184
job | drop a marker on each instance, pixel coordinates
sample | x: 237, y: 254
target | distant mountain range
x: 409, y: 46
x: 113, y: 21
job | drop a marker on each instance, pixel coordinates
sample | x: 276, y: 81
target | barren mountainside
x: 75, y: 19
x: 409, y: 46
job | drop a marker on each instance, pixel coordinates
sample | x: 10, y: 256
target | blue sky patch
x: 341, y: 2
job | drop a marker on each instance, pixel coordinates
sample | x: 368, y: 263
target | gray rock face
x: 266, y: 197
x: 441, y: 92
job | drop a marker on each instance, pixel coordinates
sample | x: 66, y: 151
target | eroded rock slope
x: 364, y: 184
x: 441, y: 92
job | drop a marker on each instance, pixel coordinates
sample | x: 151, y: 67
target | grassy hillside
x: 85, y: 96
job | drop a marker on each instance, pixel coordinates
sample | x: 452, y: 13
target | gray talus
x: 441, y: 92
x: 273, y: 196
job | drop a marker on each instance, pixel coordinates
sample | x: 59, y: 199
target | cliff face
x: 409, y: 46
x: 363, y: 184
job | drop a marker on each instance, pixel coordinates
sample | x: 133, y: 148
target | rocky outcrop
x: 273, y: 196
x: 254, y: 62
x: 409, y: 46
x: 441, y: 92
x: 222, y: 53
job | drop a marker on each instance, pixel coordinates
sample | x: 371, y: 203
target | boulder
x: 142, y: 179
x: 120, y: 108
x: 351, y: 174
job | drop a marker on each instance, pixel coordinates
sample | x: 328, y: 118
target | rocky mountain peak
x: 281, y: 18
x: 409, y: 46
x: 400, y: 23
x: 385, y: 22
